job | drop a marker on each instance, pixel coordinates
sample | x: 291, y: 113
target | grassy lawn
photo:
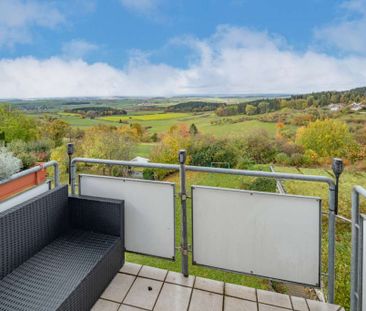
x: 144, y: 149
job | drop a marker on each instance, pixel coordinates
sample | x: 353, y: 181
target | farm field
x: 145, y: 117
x: 158, y: 122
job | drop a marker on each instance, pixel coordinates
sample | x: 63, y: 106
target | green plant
x: 9, y: 164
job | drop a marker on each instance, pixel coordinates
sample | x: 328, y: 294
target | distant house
x: 356, y: 106
x: 335, y: 107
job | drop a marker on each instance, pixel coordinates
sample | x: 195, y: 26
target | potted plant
x: 9, y: 165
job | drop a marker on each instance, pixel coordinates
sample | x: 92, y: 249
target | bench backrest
x: 28, y: 227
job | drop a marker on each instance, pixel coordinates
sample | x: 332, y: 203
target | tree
x: 16, y: 125
x: 108, y: 142
x: 193, y: 129
x: 263, y: 107
x: 54, y: 129
x: 328, y: 138
x: 250, y: 109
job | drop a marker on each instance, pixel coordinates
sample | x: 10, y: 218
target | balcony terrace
x: 279, y: 239
x: 138, y: 287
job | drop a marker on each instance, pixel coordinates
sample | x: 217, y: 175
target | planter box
x: 12, y: 187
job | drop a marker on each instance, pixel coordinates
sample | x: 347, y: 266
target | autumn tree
x: 108, y: 142
x: 53, y: 129
x: 328, y: 138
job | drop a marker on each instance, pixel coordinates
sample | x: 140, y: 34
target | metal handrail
x: 357, y: 249
x: 182, y: 168
x: 34, y: 170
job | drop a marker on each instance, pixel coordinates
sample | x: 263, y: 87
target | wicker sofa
x: 59, y: 252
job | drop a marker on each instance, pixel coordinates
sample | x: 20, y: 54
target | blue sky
x: 164, y: 47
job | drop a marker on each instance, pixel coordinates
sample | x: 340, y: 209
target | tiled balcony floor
x: 139, y: 287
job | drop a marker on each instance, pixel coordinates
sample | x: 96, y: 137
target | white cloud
x: 346, y: 34
x: 17, y: 17
x: 232, y: 61
x: 140, y: 6
x: 77, y: 48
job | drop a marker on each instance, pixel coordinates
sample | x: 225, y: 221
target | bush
x: 9, y: 164
x: 297, y: 159
x: 261, y: 184
x: 148, y: 174
x: 31, y: 152
x: 246, y: 163
x: 207, y: 150
x: 282, y: 158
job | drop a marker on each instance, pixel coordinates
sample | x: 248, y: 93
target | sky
x: 70, y: 48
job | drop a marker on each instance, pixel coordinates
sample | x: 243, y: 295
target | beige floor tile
x: 143, y: 293
x: 128, y: 308
x: 235, y: 304
x: 173, y: 298
x: 180, y: 279
x: 209, y: 285
x: 263, y: 307
x: 130, y: 268
x: 105, y: 305
x: 320, y: 306
x: 240, y: 291
x: 119, y: 287
x: 153, y: 273
x: 275, y: 299
x: 299, y: 304
x: 205, y: 301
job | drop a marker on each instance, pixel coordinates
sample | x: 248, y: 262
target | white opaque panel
x: 364, y: 263
x: 265, y: 234
x: 24, y: 196
x: 149, y: 211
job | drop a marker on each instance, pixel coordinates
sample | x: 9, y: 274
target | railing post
x: 355, y: 299
x: 331, y: 244
x: 73, y: 176
x: 183, y: 200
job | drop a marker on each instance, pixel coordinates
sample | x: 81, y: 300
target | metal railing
x: 182, y: 168
x: 54, y: 164
x: 357, y: 249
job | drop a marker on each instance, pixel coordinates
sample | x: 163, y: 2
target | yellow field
x: 147, y: 117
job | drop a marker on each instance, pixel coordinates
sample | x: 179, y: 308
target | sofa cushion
x: 68, y: 274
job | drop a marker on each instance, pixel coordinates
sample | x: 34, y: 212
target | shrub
x: 207, y: 150
x: 297, y: 159
x: 259, y: 146
x: 282, y: 158
x: 9, y: 164
x: 246, y: 163
x: 328, y: 138
x: 261, y: 184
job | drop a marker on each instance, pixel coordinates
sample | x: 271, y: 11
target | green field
x: 146, y: 117
x: 161, y: 122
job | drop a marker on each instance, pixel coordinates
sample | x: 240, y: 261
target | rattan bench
x: 59, y: 252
